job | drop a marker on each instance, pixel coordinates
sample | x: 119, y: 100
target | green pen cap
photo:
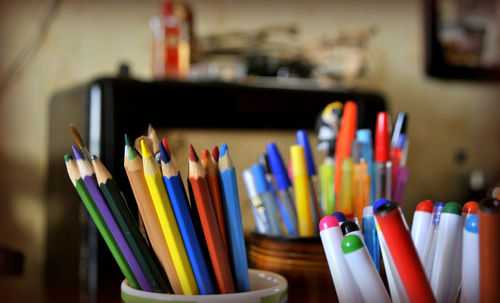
x: 351, y: 243
x: 452, y: 208
x: 67, y: 157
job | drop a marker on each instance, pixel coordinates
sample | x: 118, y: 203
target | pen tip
x: 128, y: 142
x: 165, y: 157
x: 165, y: 144
x: 205, y: 155
x: 223, y: 150
x: 215, y: 153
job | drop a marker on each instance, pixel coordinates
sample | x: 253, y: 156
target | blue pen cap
x: 339, y: 216
x: 364, y: 136
x: 438, y: 209
x: 260, y: 178
x: 303, y: 140
x: 472, y: 224
x: 277, y: 167
x: 379, y: 203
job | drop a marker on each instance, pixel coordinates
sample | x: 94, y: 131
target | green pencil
x: 129, y: 227
x: 74, y: 175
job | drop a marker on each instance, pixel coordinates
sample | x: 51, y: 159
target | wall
x: 89, y: 38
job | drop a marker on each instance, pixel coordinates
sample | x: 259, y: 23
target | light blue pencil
x: 232, y: 214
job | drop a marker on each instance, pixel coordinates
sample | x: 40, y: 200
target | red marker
x: 403, y: 253
x: 383, y: 164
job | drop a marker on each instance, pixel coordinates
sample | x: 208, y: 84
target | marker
x: 282, y: 182
x: 382, y: 161
x: 350, y: 228
x: 363, y: 270
x: 343, y: 147
x: 301, y: 186
x: 346, y: 187
x: 436, y: 215
x: 267, y: 199
x: 446, y: 246
x: 370, y: 235
x: 396, y: 287
x: 257, y: 207
x: 421, y: 229
x: 489, y: 250
x: 303, y: 140
x: 364, y: 137
x: 403, y: 253
x: 470, y: 261
x: 326, y: 172
x: 343, y: 281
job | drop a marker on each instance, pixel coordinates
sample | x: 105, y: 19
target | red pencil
x: 208, y: 218
x: 211, y: 166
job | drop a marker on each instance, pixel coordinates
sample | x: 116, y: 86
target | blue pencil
x: 177, y: 194
x: 232, y: 214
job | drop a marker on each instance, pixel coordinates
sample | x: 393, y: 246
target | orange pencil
x: 208, y: 218
x: 347, y: 132
x: 211, y: 166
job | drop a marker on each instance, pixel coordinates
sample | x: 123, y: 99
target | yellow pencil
x: 168, y: 223
x: 302, y: 194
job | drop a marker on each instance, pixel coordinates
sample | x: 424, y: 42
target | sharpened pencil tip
x: 223, y: 150
x: 67, y: 157
x: 128, y: 142
x: 205, y: 154
x: 77, y: 154
x: 94, y: 157
x: 215, y: 153
x: 145, y: 150
x: 192, y: 154
x: 165, y: 157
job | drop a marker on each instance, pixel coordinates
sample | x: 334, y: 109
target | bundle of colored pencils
x: 292, y: 199
x: 192, y: 244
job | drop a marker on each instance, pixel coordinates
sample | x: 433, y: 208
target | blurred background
x: 435, y: 60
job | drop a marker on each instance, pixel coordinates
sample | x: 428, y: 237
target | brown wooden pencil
x: 154, y: 139
x: 210, y: 226
x: 134, y: 169
x: 211, y: 166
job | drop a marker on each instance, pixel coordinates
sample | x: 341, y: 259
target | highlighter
x: 344, y: 139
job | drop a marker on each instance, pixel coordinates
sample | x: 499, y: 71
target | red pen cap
x: 382, y: 134
x: 470, y: 208
x: 426, y: 206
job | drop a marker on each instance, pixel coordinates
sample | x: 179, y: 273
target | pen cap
x: 348, y: 226
x: 368, y: 211
x: 425, y: 206
x: 249, y: 183
x: 339, y: 216
x: 303, y: 140
x: 379, y: 203
x: 382, y: 133
x: 299, y: 166
x: 438, y: 209
x: 364, y: 136
x: 277, y: 166
x: 470, y: 208
x: 260, y: 178
x: 399, y: 128
x: 351, y: 243
x: 328, y: 222
x: 472, y: 224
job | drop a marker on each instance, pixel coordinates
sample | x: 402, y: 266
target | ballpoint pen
x: 382, y: 160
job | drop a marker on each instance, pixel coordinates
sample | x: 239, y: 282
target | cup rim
x: 281, y: 286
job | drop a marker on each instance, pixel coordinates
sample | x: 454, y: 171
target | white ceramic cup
x: 265, y: 287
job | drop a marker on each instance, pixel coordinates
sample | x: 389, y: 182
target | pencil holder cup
x: 265, y: 286
x: 301, y: 261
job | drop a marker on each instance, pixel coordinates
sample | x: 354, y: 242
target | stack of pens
x: 191, y: 244
x: 290, y: 199
x: 450, y: 255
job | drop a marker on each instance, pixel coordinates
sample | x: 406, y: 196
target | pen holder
x: 264, y: 287
x: 301, y: 261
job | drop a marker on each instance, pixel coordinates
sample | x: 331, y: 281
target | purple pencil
x: 88, y: 177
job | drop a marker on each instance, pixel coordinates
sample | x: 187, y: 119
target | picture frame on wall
x: 462, y: 39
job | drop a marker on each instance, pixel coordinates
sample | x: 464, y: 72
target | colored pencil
x: 88, y: 201
x: 135, y: 173
x: 90, y: 181
x: 168, y: 222
x: 232, y: 215
x: 129, y: 227
x: 210, y: 164
x: 208, y: 218
x: 178, y: 197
